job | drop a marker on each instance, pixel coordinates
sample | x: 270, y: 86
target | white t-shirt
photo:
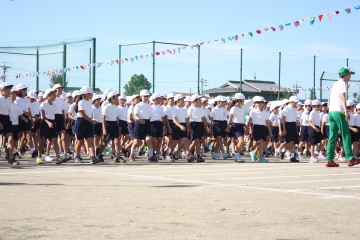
x: 258, y: 117
x: 181, y: 114
x: 338, y: 88
x: 23, y: 103
x: 357, y: 120
x: 168, y: 110
x: 72, y: 110
x: 157, y: 113
x: 34, y: 109
x: 314, y: 117
x: 304, y: 118
x: 97, y: 114
x: 351, y: 122
x: 49, y: 110
x: 219, y: 114
x: 60, y: 105
x: 111, y: 112
x: 85, y: 106
x: 123, y: 111
x: 130, y: 113
x: 207, y: 114
x: 238, y: 114
x: 15, y: 112
x: 290, y: 113
x: 195, y: 114
x: 274, y: 118
x: 5, y: 104
x: 106, y: 102
x: 325, y: 119
x: 67, y: 107
x: 143, y: 110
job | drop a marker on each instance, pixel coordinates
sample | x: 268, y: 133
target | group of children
x: 170, y: 127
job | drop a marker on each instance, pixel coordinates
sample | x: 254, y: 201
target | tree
x: 286, y: 95
x: 57, y: 78
x: 136, y: 84
x: 356, y: 97
x: 313, y: 94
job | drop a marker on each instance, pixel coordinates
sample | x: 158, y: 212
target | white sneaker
x: 321, y: 156
x: 313, y: 160
x: 48, y: 158
x: 316, y: 152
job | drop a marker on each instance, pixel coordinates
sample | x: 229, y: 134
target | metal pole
x: 37, y: 69
x: 153, y: 66
x: 198, y: 68
x: 241, y: 59
x: 90, y: 67
x: 94, y: 61
x: 278, y: 98
x: 314, y: 78
x: 64, y: 66
x: 119, y: 68
x: 321, y: 85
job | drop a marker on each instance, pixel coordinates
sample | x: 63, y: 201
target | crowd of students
x: 168, y: 127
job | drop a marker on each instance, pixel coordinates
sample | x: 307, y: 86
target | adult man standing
x: 338, y: 117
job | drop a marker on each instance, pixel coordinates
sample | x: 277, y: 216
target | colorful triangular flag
x: 337, y: 12
x: 258, y: 31
x: 320, y: 17
x: 312, y: 20
x: 287, y: 24
x: 357, y: 8
x: 250, y: 33
x: 296, y: 23
x: 281, y: 27
x: 347, y: 10
x: 329, y: 16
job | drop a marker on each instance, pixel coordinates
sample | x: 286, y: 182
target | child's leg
x: 197, y: 146
x: 78, y: 144
x: 239, y: 145
x: 261, y: 147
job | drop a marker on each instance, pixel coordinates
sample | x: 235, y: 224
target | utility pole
x: 203, y: 82
x: 295, y: 87
x: 5, y: 68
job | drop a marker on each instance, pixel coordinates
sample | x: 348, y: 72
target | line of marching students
x: 170, y: 127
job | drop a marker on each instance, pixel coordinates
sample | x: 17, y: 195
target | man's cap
x: 122, y: 96
x: 345, y: 71
x: 293, y: 99
x: 155, y: 95
x: 56, y: 86
x: 187, y: 99
x: 194, y: 97
x: 170, y: 95
x: 258, y: 99
x: 350, y: 102
x: 21, y: 86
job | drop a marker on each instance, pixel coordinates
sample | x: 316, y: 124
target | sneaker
x: 101, y: 158
x: 301, y: 156
x: 170, y: 158
x: 61, y: 152
x: 122, y: 160
x: 238, y: 159
x: 316, y: 152
x: 214, y: 156
x: 66, y: 158
x: 158, y: 157
x: 77, y: 160
x: 307, y: 153
x: 206, y: 149
x: 313, y: 160
x: 342, y: 159
x: 353, y: 162
x: 253, y: 156
x: 174, y: 157
x: 331, y: 164
x: 12, y: 161
x: 293, y: 160
x: 152, y: 159
x: 95, y: 160
x: 263, y: 160
x: 321, y: 156
x: 190, y: 158
x: 17, y: 155
x: 225, y: 156
x: 34, y: 154
x: 39, y: 160
x: 47, y: 158
x: 59, y: 160
x: 132, y: 157
x: 200, y: 159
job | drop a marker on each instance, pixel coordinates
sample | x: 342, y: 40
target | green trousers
x: 338, y: 122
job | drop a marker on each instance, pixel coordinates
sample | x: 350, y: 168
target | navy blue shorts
x: 142, y: 131
x: 314, y: 137
x: 218, y: 129
x: 112, y: 129
x: 237, y: 130
x: 83, y: 129
x: 36, y: 126
x: 130, y: 127
x: 157, y: 129
x: 171, y: 124
x: 326, y: 132
x: 46, y: 132
x: 15, y: 132
x: 177, y: 133
x: 304, y: 135
x: 259, y: 132
x: 197, y: 130
x: 72, y: 126
x: 60, y: 124
x: 98, y: 131
x: 358, y: 133
x: 291, y: 132
x: 123, y: 127
x: 267, y: 131
x: 7, y: 125
x: 275, y: 134
x: 24, y: 126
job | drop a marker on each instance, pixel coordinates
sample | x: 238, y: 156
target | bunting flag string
x: 173, y: 51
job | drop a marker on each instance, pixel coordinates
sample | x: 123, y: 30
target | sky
x: 118, y: 22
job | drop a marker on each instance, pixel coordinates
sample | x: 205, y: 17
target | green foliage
x: 57, y: 78
x: 313, y: 94
x: 136, y: 84
x: 356, y: 97
x: 286, y: 95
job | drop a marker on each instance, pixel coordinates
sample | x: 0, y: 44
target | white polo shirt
x: 34, y: 109
x: 15, y: 112
x: 111, y: 112
x: 357, y: 120
x: 314, y: 117
x: 23, y: 103
x: 5, y: 104
x: 290, y: 113
x: 258, y: 117
x: 60, y: 105
x: 130, y: 113
x: 274, y: 118
x: 219, y: 114
x: 325, y: 119
x: 85, y: 106
x: 304, y: 118
x: 195, y: 114
x: 143, y: 110
x: 97, y: 114
x: 181, y: 114
x: 168, y: 110
x: 207, y: 114
x: 238, y: 114
x: 72, y: 111
x: 49, y: 110
x: 157, y: 113
x: 66, y: 109
x: 123, y: 111
x: 351, y: 122
x: 338, y: 88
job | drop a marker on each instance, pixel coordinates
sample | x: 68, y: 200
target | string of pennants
x: 182, y: 48
x: 327, y: 88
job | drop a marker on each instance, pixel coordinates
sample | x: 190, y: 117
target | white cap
x: 316, y: 102
x: 263, y: 99
x: 178, y: 96
x: 122, y: 96
x: 128, y: 100
x: 170, y: 95
x: 187, y: 99
x: 144, y: 93
x: 285, y: 101
x: 6, y: 84
x: 258, y: 99
x: 134, y: 96
x: 221, y: 99
x: 268, y: 105
x: 57, y: 86
x: 63, y: 95
x: 203, y: 99
x: 275, y: 106
x: 32, y: 94
x: 21, y: 86
x: 300, y: 103
x: 95, y: 97
x: 195, y: 96
x: 239, y: 96
x: 293, y: 99
x: 40, y: 94
x: 111, y: 94
x: 106, y: 91
x: 68, y: 95
x: 76, y: 93
x: 155, y: 95
x: 308, y: 102
x: 350, y: 102
x: 228, y: 100
x: 85, y: 90
x: 358, y: 105
x: 48, y: 91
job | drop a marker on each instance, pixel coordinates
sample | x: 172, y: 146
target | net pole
x: 119, y: 68
x: 278, y: 98
x: 153, y: 55
x: 314, y: 76
x: 321, y: 79
x: 37, y: 69
x: 94, y: 62
x: 64, y: 67
x: 90, y: 67
x: 241, y: 61
x: 198, y: 68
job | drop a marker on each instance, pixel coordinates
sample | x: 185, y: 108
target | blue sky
x: 122, y: 22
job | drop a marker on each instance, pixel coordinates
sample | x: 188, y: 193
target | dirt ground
x: 212, y: 200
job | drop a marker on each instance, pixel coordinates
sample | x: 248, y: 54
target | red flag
x: 236, y: 37
x: 320, y: 17
x: 201, y: 43
x: 258, y: 31
x: 157, y: 53
x: 117, y: 61
x: 243, y: 34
